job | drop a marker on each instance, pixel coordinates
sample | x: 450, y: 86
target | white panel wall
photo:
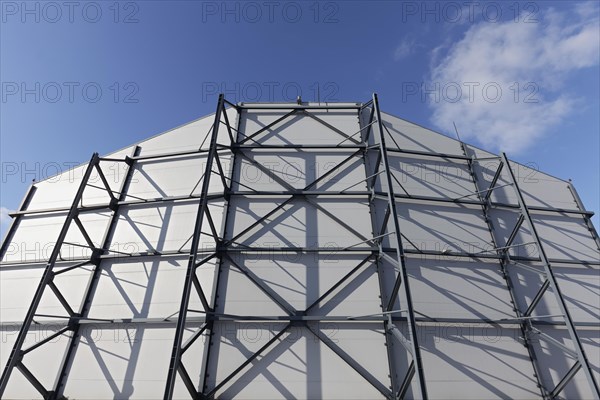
x: 458, y: 288
x: 461, y: 360
x: 427, y: 176
x: 474, y: 362
x: 436, y: 227
x: 299, y: 129
x: 299, y: 365
x: 561, y: 363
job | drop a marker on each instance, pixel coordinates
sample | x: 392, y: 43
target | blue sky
x: 79, y: 77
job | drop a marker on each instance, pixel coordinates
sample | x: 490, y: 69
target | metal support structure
x: 75, y: 326
x: 175, y: 364
x: 586, y: 216
x: 524, y: 325
x: 16, y: 219
x: 239, y: 146
x: 211, y: 319
x: 16, y: 356
x: 402, y: 279
x: 291, y: 193
x: 377, y: 230
x: 553, y: 284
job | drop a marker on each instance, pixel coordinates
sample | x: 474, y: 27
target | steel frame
x: 293, y: 317
x: 523, y: 323
x: 371, y: 247
x: 402, y: 281
x: 549, y: 283
x: 15, y: 359
x: 527, y: 321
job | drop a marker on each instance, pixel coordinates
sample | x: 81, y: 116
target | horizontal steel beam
x: 425, y: 321
x: 493, y: 204
x: 129, y: 159
x: 408, y: 252
x: 296, y: 106
x: 428, y: 154
x: 299, y: 192
x: 298, y: 147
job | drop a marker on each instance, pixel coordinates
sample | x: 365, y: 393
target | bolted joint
x: 114, y: 204
x: 301, y: 323
x: 95, y: 258
x: 74, y: 213
x: 73, y: 323
x: 129, y: 161
x: 19, y: 356
x: 49, y: 277
x: 51, y: 395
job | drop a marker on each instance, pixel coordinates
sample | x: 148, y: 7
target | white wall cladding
x: 476, y: 362
x: 458, y: 288
x: 294, y: 301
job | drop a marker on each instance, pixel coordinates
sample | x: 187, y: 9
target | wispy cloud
x: 406, y: 47
x: 529, y: 63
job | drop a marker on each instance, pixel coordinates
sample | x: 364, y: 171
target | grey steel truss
x: 369, y: 143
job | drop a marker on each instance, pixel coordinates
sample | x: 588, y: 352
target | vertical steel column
x: 15, y: 222
x: 175, y: 362
x: 204, y: 374
x: 525, y: 323
x: 372, y: 211
x: 581, y: 356
x: 74, y: 325
x: 586, y: 217
x: 402, y: 279
x: 16, y: 354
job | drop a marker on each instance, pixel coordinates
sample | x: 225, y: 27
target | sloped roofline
x: 212, y: 114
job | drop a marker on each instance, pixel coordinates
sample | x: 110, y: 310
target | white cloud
x: 539, y: 57
x: 405, y: 48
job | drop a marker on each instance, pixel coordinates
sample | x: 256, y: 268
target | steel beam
x: 586, y: 215
x: 210, y: 320
x: 399, y: 388
x: 275, y: 338
x: 66, y: 363
x: 487, y: 196
x: 214, y: 196
x: 295, y: 106
x: 402, y: 277
x: 524, y: 325
x: 379, y: 231
x: 176, y: 352
x: 248, y: 249
x: 207, y: 318
x: 553, y: 283
x: 14, y: 359
x: 16, y: 219
x: 362, y: 371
